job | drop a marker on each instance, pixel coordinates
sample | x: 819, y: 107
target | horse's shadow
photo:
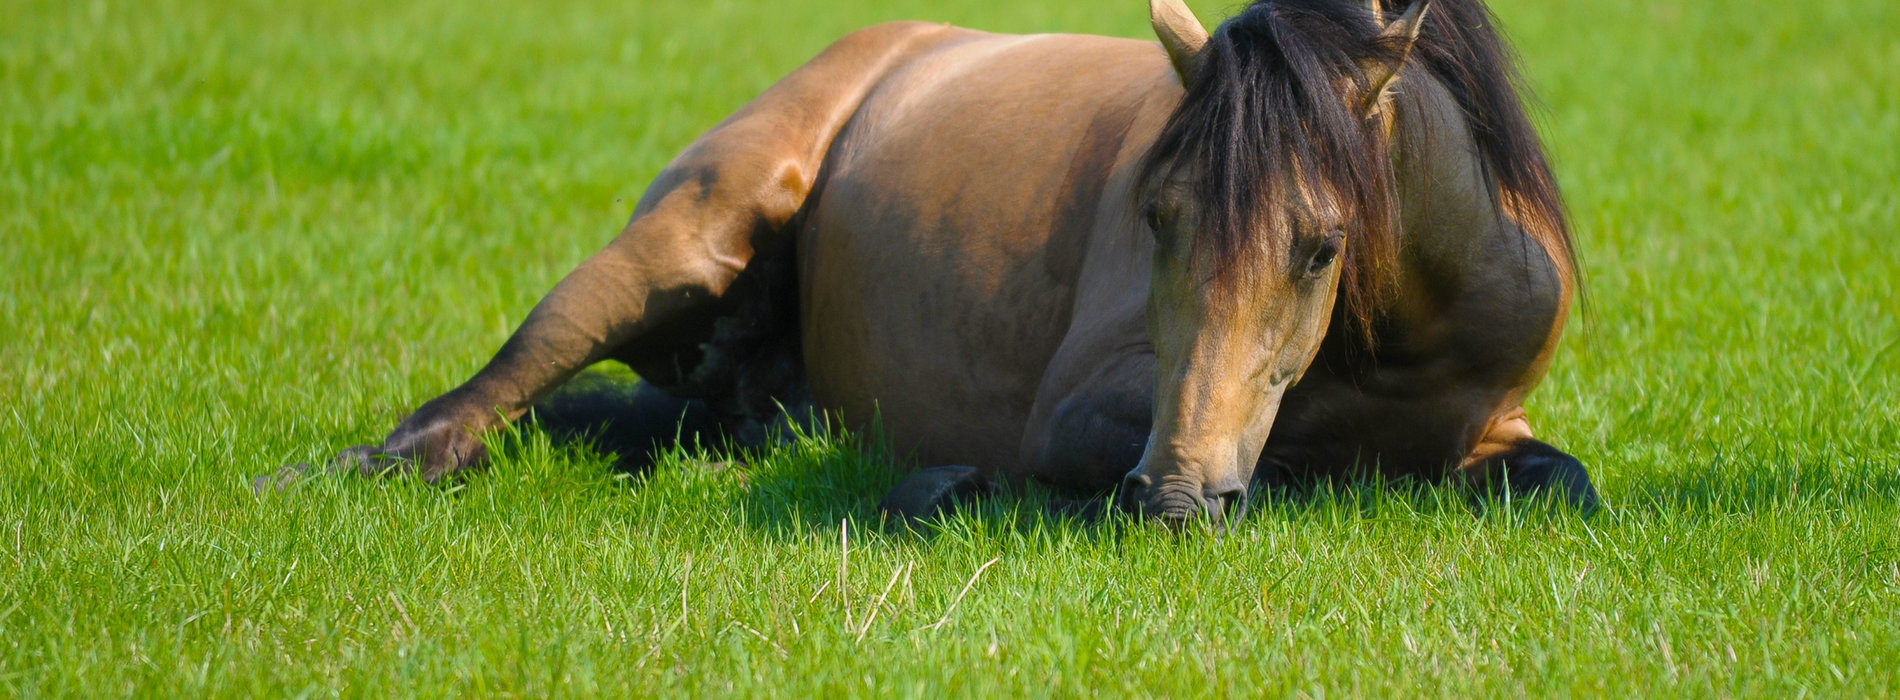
x: 815, y: 479
x: 798, y: 479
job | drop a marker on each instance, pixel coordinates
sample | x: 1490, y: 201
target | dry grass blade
x: 870, y: 615
x: 967, y: 585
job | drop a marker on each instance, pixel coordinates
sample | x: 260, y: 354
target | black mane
x: 1263, y: 112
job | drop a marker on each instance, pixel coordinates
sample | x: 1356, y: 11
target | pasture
x: 239, y: 234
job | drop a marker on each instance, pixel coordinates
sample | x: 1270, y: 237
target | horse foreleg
x: 1083, y: 441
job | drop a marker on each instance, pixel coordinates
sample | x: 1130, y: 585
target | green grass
x: 237, y: 234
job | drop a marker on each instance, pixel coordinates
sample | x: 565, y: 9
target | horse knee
x: 932, y: 491
x: 1092, y: 443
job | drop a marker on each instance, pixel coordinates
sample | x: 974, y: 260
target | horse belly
x: 942, y: 343
x: 938, y: 264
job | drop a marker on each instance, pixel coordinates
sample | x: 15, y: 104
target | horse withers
x: 1321, y: 241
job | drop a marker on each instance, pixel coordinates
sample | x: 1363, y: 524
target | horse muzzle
x: 1179, y: 499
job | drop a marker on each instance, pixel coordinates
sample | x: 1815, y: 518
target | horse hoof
x: 280, y: 480
x: 933, y: 491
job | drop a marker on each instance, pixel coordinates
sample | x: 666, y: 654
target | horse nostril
x: 1228, y: 505
x: 1134, y: 489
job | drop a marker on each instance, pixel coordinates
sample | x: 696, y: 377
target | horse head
x: 1269, y: 196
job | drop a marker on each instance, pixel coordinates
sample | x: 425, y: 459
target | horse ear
x: 1382, y: 75
x: 1180, y: 33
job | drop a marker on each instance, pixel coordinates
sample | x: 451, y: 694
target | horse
x: 1321, y: 240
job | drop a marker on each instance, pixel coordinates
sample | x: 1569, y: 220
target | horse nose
x: 1179, y: 503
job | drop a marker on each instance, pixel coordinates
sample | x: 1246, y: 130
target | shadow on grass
x: 810, y: 481
x: 801, y: 481
x: 1726, y: 485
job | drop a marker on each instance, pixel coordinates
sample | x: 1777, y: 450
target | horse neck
x: 1448, y: 202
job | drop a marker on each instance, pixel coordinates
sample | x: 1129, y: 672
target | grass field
x: 237, y: 234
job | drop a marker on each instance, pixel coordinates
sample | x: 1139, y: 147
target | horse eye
x: 1151, y: 217
x: 1324, y: 257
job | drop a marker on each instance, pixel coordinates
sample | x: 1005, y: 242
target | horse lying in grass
x: 1322, y: 241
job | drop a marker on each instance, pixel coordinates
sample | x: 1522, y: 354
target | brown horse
x: 1321, y: 241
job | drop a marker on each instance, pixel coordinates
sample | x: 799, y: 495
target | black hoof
x: 1539, y: 469
x: 933, y: 491
x: 366, y: 460
x: 361, y: 459
x: 280, y: 480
